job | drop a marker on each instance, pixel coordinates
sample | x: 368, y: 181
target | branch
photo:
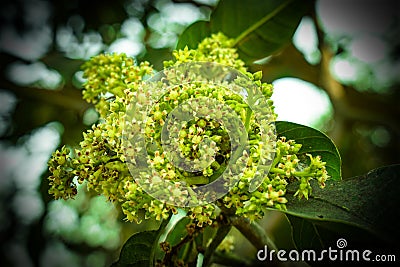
x: 222, y: 231
x: 253, y: 232
x: 257, y: 236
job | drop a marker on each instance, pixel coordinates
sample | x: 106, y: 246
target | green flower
x: 115, y: 80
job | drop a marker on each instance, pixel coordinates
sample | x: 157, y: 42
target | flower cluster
x: 217, y: 49
x: 113, y: 81
x: 61, y: 180
x: 108, y: 76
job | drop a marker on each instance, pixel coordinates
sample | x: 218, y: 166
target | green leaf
x: 319, y: 235
x: 370, y: 202
x: 137, y: 251
x: 178, y: 232
x: 259, y: 28
x: 187, y: 251
x: 194, y: 34
x: 305, y: 233
x: 140, y: 248
x: 313, y: 142
x: 176, y: 235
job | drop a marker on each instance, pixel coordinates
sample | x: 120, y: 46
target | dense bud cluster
x: 113, y: 81
x: 61, y: 180
x: 108, y: 76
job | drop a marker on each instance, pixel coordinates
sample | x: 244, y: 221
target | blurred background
x: 340, y: 74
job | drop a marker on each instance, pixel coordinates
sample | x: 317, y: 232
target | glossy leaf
x: 181, y: 243
x: 138, y: 250
x: 322, y: 234
x: 313, y: 142
x: 259, y: 28
x: 178, y: 232
x: 305, y: 233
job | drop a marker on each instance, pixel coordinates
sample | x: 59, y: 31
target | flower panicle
x: 100, y: 161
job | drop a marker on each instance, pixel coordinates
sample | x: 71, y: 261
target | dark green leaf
x: 178, y: 232
x: 322, y: 234
x: 137, y: 251
x: 194, y: 34
x: 182, y: 244
x: 313, y: 142
x: 305, y: 233
x: 140, y: 248
x: 259, y: 28
x: 370, y: 202
x: 156, y: 57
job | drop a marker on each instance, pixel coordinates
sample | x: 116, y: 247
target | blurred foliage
x: 42, y: 46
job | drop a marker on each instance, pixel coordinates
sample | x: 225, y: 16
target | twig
x: 222, y: 231
x: 252, y: 231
